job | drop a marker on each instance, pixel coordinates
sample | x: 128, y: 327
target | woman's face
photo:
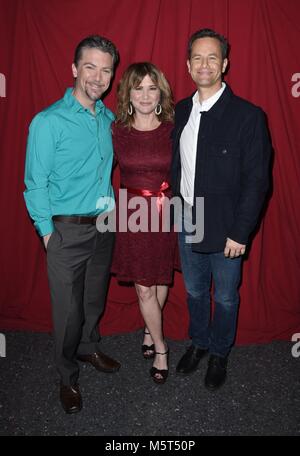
x: 145, y: 97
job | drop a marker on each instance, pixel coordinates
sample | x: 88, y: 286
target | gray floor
x: 260, y: 397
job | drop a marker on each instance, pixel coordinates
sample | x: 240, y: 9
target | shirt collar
x: 74, y: 104
x: 207, y: 104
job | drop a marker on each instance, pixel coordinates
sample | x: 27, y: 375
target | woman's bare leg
x: 152, y: 314
x: 161, y: 294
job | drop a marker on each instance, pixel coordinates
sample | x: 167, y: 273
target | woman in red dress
x: 145, y: 255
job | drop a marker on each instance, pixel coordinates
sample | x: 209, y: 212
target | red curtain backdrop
x: 37, y: 41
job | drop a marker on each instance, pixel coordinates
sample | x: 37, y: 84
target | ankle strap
x: 165, y: 353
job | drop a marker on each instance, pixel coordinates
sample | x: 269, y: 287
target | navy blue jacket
x: 232, y: 167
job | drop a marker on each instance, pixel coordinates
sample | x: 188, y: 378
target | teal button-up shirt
x: 68, y: 162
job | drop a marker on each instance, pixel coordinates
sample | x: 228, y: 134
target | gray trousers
x: 78, y: 259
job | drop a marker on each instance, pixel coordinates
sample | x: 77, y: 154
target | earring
x: 130, y: 109
x: 158, y: 109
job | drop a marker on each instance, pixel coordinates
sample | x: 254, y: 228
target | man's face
x: 93, y: 74
x: 206, y: 64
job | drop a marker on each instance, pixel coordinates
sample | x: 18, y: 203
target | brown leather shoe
x: 101, y: 362
x: 70, y: 398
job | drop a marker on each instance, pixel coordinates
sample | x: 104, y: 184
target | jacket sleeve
x: 38, y: 166
x: 255, y: 176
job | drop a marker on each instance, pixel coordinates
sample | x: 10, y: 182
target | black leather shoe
x: 101, y: 362
x: 70, y: 398
x: 216, y: 372
x: 190, y: 360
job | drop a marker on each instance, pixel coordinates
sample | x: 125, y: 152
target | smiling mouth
x: 95, y: 86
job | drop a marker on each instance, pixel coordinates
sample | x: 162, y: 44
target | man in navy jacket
x: 221, y: 154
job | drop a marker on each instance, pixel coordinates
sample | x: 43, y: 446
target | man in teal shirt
x: 68, y: 183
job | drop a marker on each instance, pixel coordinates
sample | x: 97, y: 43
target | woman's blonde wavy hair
x: 132, y: 78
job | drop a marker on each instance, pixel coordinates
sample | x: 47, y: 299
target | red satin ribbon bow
x: 159, y: 194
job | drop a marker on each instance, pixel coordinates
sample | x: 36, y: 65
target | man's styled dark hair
x: 209, y: 33
x: 97, y: 42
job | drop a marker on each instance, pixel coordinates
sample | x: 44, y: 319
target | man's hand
x: 46, y: 240
x: 234, y: 249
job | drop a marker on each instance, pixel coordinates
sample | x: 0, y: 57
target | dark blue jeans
x: 217, y: 333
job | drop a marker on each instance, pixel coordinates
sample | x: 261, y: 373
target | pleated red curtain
x: 37, y: 41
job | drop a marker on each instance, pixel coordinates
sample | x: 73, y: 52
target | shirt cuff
x: 45, y: 227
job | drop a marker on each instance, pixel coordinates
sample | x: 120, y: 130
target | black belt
x: 78, y: 219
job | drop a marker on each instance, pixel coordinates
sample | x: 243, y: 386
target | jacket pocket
x: 222, y: 167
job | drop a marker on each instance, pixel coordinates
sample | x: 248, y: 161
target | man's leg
x: 68, y: 251
x: 197, y: 278
x: 226, y: 275
x: 95, y: 291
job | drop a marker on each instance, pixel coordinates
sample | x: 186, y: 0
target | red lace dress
x: 144, y: 158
